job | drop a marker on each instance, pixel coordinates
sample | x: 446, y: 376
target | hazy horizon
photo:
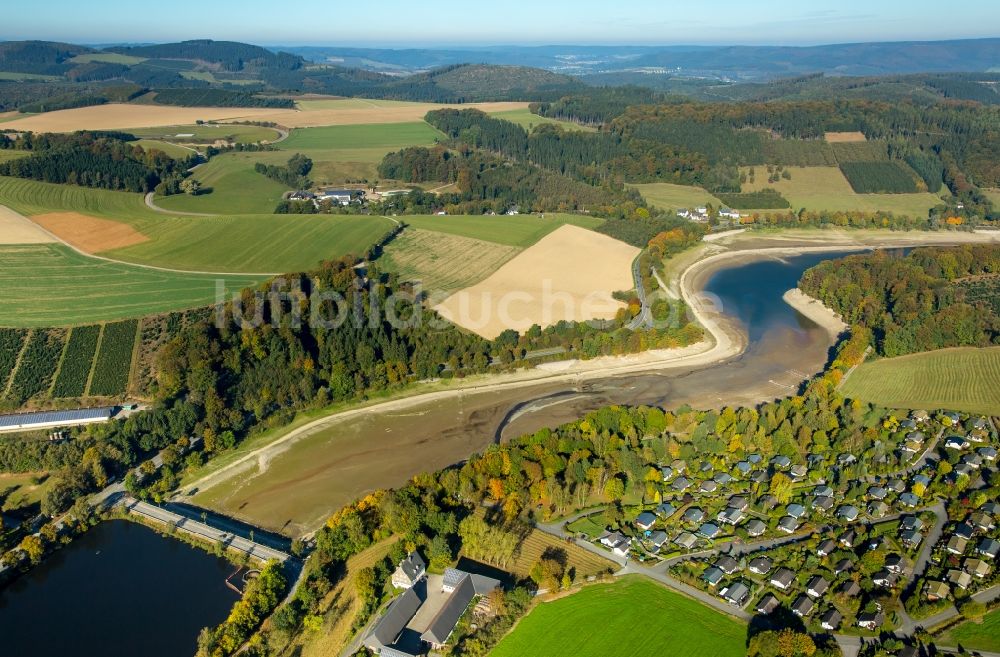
x: 447, y: 25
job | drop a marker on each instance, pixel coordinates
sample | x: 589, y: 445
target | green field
x: 960, y: 379
x: 49, y: 284
x: 235, y: 243
x: 519, y: 230
x: 993, y: 195
x: 975, y: 636
x: 826, y: 188
x: 20, y: 77
x: 173, y: 150
x: 674, y: 197
x: 24, y: 489
x: 236, y: 188
x: 632, y: 617
x: 10, y: 154
x: 207, y: 133
x: 527, y: 120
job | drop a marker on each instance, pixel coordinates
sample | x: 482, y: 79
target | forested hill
x: 229, y: 55
x: 929, y: 299
x: 38, y: 57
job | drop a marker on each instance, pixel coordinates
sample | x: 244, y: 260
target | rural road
x: 645, y: 316
x: 155, y: 208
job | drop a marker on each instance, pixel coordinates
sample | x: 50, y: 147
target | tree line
x: 294, y: 174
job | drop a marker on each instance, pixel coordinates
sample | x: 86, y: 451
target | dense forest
x: 90, y: 159
x: 293, y: 174
x: 929, y: 299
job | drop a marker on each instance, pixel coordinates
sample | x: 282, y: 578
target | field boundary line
x: 133, y: 366
x: 151, y: 267
x: 59, y: 365
x: 93, y: 361
x: 17, y: 363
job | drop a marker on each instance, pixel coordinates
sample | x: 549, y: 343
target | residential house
x: 730, y: 516
x: 846, y: 458
x: 851, y: 589
x: 709, y: 530
x: 817, y: 586
x: 736, y: 594
x: 885, y: 579
x: 657, y: 539
x: 798, y: 472
x: 681, y: 484
x: 708, y: 486
x: 894, y: 563
x: 409, y: 571
x: 713, y: 576
x: 727, y: 564
x: 987, y: 454
x: 706, y: 468
x: 782, y: 579
x: 935, y: 590
x: 767, y: 502
x: 908, y: 523
x: 755, y: 459
x: 896, y: 485
x: 909, y: 500
x: 911, y: 538
x: 826, y: 547
x: 922, y: 479
x: 738, y: 502
x: 679, y: 466
x: 803, y: 606
x: 877, y: 492
x: 822, y: 503
x: 667, y: 473
x: 743, y: 467
x: 959, y: 578
x: 965, y: 530
x: 722, y: 478
x: 977, y: 568
x: 957, y: 443
x: 767, y: 604
x: 788, y: 524
x: 831, y: 619
x: 848, y: 513
x: 957, y: 544
x: 463, y: 588
x: 729, y: 213
x: 694, y: 514
x: 686, y: 540
x: 920, y: 416
x: 761, y: 565
x: 823, y: 491
x: 992, y: 508
x: 848, y: 538
x: 618, y: 543
x: 871, y: 620
x: 843, y: 566
x: 666, y: 509
x: 878, y: 509
x: 645, y: 520
x: 781, y: 462
x: 795, y: 510
x: 755, y: 527
x: 989, y: 547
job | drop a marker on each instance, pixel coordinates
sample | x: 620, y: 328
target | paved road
x: 202, y: 530
x: 645, y: 316
x: 178, y: 213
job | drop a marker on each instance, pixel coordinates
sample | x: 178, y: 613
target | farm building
x: 52, y: 419
x: 342, y: 196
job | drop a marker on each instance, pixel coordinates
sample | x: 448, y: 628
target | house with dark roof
x: 712, y: 576
x: 822, y: 503
x: 843, y: 566
x: 803, y: 606
x: 782, y: 579
x: 709, y: 530
x: 410, y: 571
x: 894, y: 563
x: 761, y: 565
x: 384, y: 635
x: 736, y: 594
x: 730, y: 516
x: 871, y: 620
x: 885, y: 579
x: 645, y: 520
x: 464, y: 589
x: 831, y: 619
x: 767, y: 604
x: 708, y: 486
x: 666, y: 509
x: 989, y: 547
x: 755, y: 527
x: 878, y: 509
x: 935, y: 590
x: 848, y: 538
x: 851, y: 588
x: 727, y: 564
x: 911, y: 538
x: 657, y: 539
x: 686, y: 540
x: 909, y: 500
x: 788, y: 524
x: 795, y: 510
x: 738, y: 502
x: 618, y: 543
x: 911, y: 523
x: 817, y: 586
x: 722, y: 478
x: 681, y: 484
x: 826, y: 547
x: 848, y: 513
x: 694, y: 514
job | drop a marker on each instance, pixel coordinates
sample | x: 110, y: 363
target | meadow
x: 631, y: 616
x: 173, y: 150
x: 207, y: 133
x: 235, y: 188
x: 975, y: 636
x: 961, y: 379
x: 442, y: 262
x: 520, y: 230
x: 527, y: 120
x: 52, y: 285
x: 21, y: 490
x: 826, y: 188
x: 674, y: 197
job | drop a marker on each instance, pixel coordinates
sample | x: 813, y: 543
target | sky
x: 403, y: 23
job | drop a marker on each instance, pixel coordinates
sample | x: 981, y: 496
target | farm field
x: 24, y: 489
x: 17, y: 229
x: 354, y: 111
x: 441, y: 262
x: 527, y: 120
x: 236, y: 188
x: 674, y: 197
x: 206, y: 134
x: 77, y: 362
x: 975, y: 636
x: 11, y: 154
x: 993, y: 195
x: 961, y: 379
x: 517, y: 230
x: 537, y: 543
x: 50, y: 284
x: 173, y: 150
x: 124, y: 116
x: 108, y: 57
x: 632, y: 616
x: 569, y: 274
x: 826, y: 188
x: 112, y: 365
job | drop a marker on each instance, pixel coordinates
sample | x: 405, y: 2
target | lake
x: 120, y: 590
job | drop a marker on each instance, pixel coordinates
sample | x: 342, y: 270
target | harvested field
x: 120, y: 115
x: 569, y: 274
x: 674, y: 197
x: 841, y: 137
x: 441, y: 262
x: 90, y: 234
x: 538, y: 543
x: 17, y: 229
x: 357, y: 111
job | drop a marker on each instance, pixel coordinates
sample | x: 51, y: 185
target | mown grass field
x: 442, y: 262
x: 235, y: 243
x: 826, y: 188
x: 632, y: 616
x: 521, y: 230
x: 960, y: 379
x: 674, y: 197
x: 173, y: 150
x: 9, y: 154
x: 24, y: 489
x: 108, y: 57
x: 527, y: 120
x: 207, y: 133
x: 236, y: 188
x: 52, y: 285
x: 975, y: 636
